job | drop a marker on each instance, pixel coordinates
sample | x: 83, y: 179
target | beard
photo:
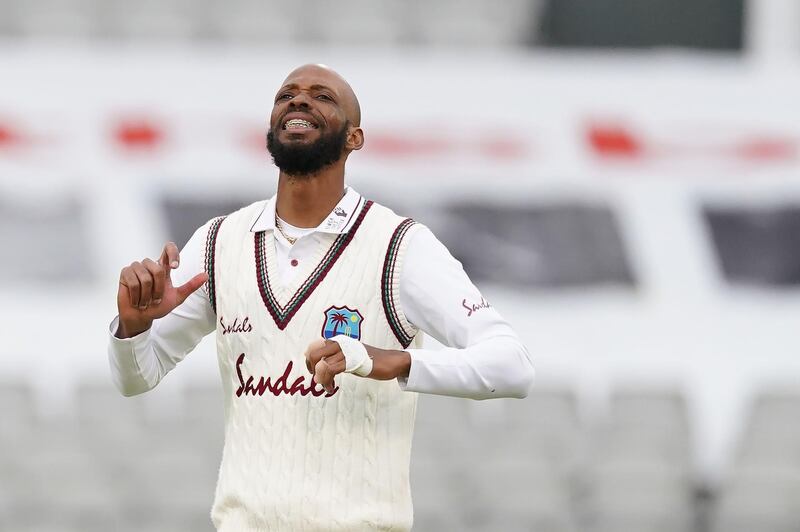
x: 299, y: 160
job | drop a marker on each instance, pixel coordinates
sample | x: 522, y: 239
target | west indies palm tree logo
x: 342, y: 320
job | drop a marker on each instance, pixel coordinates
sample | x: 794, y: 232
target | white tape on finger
x: 356, y: 359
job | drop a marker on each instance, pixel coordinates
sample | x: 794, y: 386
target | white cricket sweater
x: 295, y: 457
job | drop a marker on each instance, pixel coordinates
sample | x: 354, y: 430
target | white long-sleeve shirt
x: 485, y: 357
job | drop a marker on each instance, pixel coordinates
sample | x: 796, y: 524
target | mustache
x: 307, y: 159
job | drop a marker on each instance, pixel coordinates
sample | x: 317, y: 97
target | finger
x: 191, y: 286
x: 170, y: 257
x: 319, y: 343
x: 159, y: 275
x: 326, y: 370
x: 331, y: 385
x: 336, y: 362
x: 146, y: 283
x: 130, y: 282
x: 324, y: 374
x: 315, y: 355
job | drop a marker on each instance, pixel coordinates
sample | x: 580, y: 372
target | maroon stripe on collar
x: 283, y: 315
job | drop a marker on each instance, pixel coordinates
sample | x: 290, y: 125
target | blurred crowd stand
x: 350, y: 22
x: 150, y: 464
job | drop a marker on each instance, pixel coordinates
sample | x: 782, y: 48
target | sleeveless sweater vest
x: 297, y: 458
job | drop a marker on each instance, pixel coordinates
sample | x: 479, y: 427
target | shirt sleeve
x: 484, y: 358
x: 139, y: 363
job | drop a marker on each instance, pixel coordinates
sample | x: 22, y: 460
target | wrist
x: 131, y: 328
x: 389, y: 363
x: 404, y: 365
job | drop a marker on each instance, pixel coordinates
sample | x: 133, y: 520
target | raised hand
x: 146, y: 292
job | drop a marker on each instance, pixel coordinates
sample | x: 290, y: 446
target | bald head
x: 315, y: 74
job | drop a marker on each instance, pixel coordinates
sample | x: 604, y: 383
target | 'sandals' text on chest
x: 238, y: 325
x: 264, y: 384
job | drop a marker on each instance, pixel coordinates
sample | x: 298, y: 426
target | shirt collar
x: 339, y: 221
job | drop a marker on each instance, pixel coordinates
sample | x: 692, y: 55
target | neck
x: 307, y: 200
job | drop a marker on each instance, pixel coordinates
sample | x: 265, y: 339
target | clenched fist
x: 325, y: 359
x: 146, y: 292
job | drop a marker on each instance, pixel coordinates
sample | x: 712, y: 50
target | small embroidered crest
x: 338, y: 211
x: 342, y: 320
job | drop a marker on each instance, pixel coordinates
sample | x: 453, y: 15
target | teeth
x: 298, y: 123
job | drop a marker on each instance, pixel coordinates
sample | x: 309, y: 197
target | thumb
x: 191, y: 286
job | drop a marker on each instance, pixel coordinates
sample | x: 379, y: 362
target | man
x: 317, y: 297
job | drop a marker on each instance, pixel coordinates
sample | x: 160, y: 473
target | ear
x: 355, y: 138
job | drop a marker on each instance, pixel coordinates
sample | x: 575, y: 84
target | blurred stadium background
x: 619, y: 176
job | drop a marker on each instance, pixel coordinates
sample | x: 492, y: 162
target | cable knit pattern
x: 296, y: 459
x: 371, y: 469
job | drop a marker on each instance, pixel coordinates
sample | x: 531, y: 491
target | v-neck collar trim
x: 265, y: 263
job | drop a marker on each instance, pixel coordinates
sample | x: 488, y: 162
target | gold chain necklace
x: 279, y: 225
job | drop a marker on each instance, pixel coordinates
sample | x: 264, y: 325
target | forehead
x: 312, y: 77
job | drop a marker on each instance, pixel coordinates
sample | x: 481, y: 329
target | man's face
x: 308, y: 125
